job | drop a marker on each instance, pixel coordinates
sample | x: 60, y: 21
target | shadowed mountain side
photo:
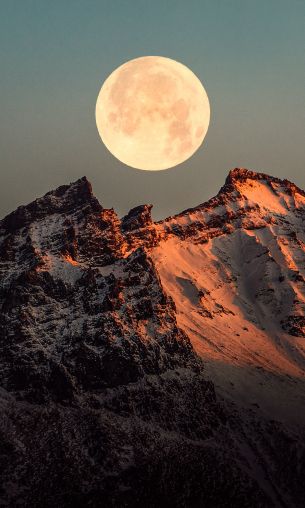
x: 160, y: 439
x: 278, y: 397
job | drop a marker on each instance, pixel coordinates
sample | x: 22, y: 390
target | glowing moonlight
x: 152, y: 113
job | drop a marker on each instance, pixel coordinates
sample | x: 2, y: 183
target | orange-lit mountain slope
x: 235, y: 268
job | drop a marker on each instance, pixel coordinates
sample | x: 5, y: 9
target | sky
x: 55, y: 56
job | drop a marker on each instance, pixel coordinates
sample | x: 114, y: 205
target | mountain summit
x: 154, y: 363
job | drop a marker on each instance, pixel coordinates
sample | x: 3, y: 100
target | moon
x: 152, y: 113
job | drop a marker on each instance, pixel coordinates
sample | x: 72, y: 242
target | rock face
x: 154, y: 364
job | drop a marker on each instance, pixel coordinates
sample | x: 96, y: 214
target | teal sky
x: 55, y: 55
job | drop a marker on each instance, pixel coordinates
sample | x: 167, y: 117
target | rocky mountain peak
x: 137, y: 218
x: 76, y: 194
x: 66, y: 199
x: 241, y: 180
x: 247, y: 200
x: 242, y: 174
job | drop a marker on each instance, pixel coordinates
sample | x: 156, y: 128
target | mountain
x: 154, y: 363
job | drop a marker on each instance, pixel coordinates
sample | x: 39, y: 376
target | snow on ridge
x: 245, y: 188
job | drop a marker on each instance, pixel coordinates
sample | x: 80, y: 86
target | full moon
x: 152, y: 113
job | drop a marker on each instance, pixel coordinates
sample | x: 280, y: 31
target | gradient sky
x: 55, y: 55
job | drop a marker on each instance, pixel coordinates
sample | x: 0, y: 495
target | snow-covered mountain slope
x: 154, y: 364
x: 235, y: 269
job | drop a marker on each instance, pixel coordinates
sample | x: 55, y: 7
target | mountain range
x: 148, y: 364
